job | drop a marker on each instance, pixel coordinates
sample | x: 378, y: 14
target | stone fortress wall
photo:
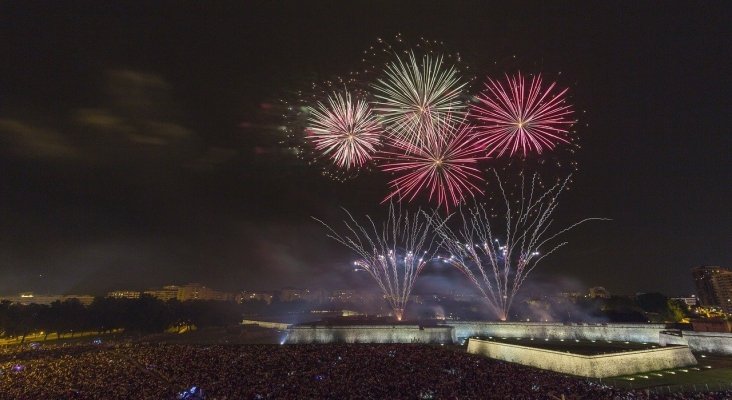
x: 597, y: 366
x: 314, y: 333
x: 455, y: 331
x: 648, y: 333
x: 710, y: 342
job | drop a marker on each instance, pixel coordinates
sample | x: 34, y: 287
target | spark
x: 520, y: 116
x: 415, y: 96
x: 393, y: 254
x: 499, y: 267
x: 345, y: 130
x: 445, y: 168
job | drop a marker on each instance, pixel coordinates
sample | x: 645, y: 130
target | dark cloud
x: 24, y: 140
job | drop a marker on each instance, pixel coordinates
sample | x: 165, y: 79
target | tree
x: 73, y: 317
x: 23, y: 319
x: 678, y: 310
x: 146, y: 315
x: 107, y: 314
x: 653, y: 303
x: 4, y: 317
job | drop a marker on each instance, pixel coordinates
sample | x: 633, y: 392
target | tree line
x: 142, y: 315
x: 151, y: 315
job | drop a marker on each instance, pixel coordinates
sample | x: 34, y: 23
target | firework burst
x: 416, y: 95
x: 498, y: 266
x: 520, y: 116
x: 344, y: 130
x: 445, y: 168
x: 393, y: 254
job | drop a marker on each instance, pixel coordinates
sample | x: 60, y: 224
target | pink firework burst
x: 344, y: 130
x: 522, y: 116
x: 446, y: 168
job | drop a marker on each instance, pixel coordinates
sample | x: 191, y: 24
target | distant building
x: 292, y: 294
x: 571, y: 296
x: 352, y: 296
x: 246, y: 296
x: 196, y: 291
x: 32, y: 298
x: 82, y: 298
x: 692, y: 301
x: 192, y: 291
x: 704, y: 278
x: 317, y: 296
x: 714, y: 286
x: 598, y: 292
x: 337, y: 313
x: 711, y: 325
x: 124, y: 294
x: 465, y: 297
x: 165, y: 293
x: 342, y: 295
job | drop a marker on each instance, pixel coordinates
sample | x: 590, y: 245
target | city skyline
x: 155, y: 291
x: 148, y: 150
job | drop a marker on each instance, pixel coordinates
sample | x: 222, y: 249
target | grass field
x: 582, y: 347
x: 54, y: 337
x: 714, y: 372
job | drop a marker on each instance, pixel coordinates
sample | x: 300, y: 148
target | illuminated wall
x: 266, y: 324
x: 369, y: 334
x: 711, y: 342
x: 598, y: 366
x: 552, y: 330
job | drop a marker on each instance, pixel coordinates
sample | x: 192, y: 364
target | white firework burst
x: 344, y: 130
x: 416, y: 95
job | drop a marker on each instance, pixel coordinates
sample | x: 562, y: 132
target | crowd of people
x: 333, y: 371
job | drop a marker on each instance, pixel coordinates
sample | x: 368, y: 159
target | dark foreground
x: 337, y: 371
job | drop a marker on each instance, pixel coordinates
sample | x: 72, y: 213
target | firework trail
x: 393, y: 254
x: 445, y: 168
x: 415, y: 96
x: 344, y: 130
x: 521, y: 116
x: 498, y: 267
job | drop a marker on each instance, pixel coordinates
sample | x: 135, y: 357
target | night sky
x: 137, y: 148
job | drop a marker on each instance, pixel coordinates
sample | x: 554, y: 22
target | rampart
x: 597, y: 366
x: 712, y: 342
x: 323, y: 333
x: 451, y: 332
x: 640, y: 333
x: 266, y: 324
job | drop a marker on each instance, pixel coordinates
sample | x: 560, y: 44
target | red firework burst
x: 522, y: 116
x: 444, y: 167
